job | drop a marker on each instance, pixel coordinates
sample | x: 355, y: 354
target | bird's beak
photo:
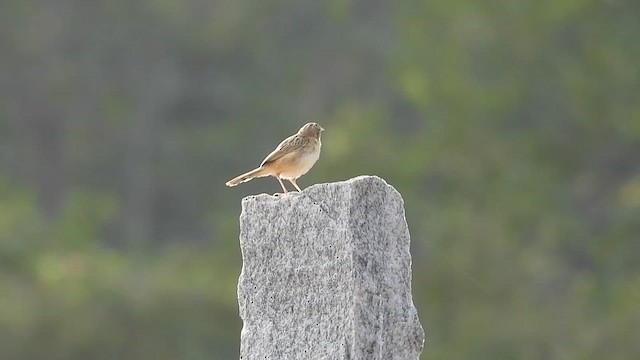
x: 321, y: 128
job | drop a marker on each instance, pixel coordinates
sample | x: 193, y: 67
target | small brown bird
x: 293, y: 158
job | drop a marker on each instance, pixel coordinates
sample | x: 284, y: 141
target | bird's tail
x: 259, y: 172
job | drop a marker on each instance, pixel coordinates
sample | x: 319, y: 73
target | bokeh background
x: 511, y: 128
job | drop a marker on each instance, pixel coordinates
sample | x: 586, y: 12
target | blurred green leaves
x: 70, y: 297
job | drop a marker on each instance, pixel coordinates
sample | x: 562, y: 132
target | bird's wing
x: 287, y: 146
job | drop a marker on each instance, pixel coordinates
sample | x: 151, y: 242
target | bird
x: 291, y: 159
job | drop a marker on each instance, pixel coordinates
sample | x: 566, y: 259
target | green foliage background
x: 512, y: 129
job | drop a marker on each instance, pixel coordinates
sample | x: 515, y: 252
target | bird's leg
x: 281, y: 184
x: 293, y: 181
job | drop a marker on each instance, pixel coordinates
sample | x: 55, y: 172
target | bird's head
x: 311, y: 129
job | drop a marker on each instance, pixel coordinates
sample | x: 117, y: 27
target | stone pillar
x: 327, y: 275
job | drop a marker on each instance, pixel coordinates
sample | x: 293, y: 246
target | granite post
x: 327, y: 275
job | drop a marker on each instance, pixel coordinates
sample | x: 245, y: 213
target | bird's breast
x: 303, y: 162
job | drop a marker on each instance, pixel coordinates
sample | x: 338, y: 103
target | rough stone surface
x: 327, y: 275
